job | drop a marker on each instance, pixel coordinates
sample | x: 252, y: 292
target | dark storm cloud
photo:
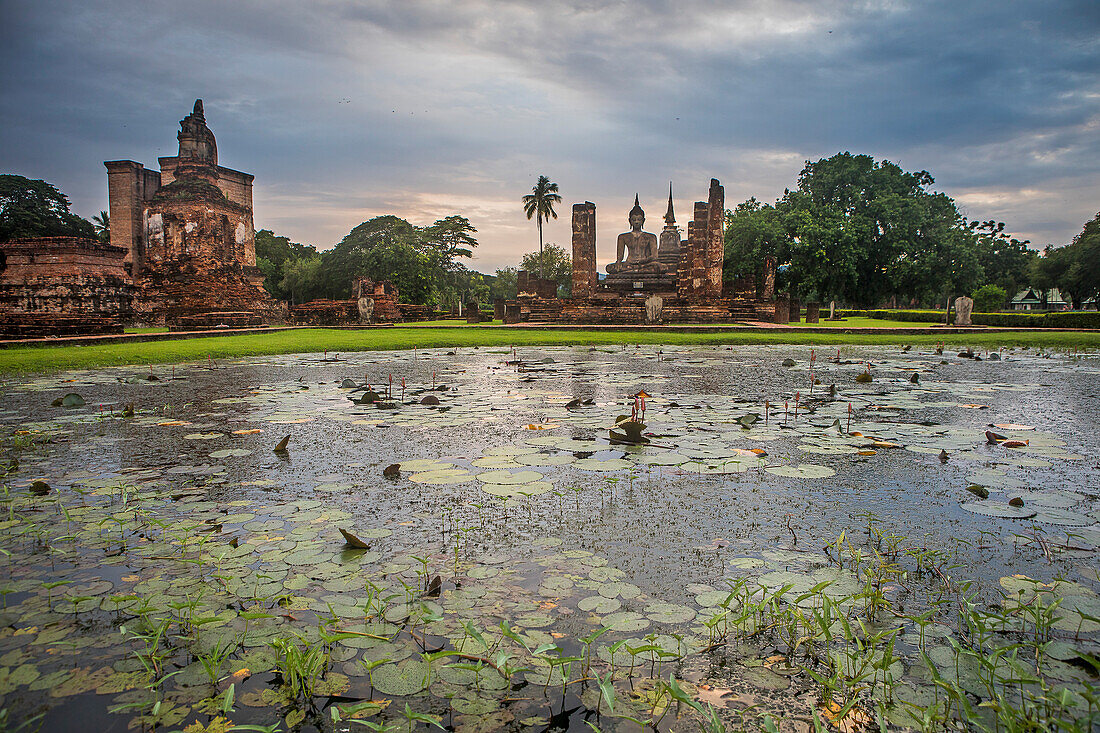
x: 346, y: 110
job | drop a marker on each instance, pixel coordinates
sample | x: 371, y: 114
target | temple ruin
x: 188, y: 236
x: 666, y: 279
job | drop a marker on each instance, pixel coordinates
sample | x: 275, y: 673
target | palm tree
x: 102, y: 224
x: 540, y: 203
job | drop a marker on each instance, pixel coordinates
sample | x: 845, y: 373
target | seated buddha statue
x: 639, y: 247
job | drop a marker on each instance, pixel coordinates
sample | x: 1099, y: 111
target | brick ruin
x: 62, y: 286
x: 374, y: 302
x: 188, y: 236
x: 681, y: 282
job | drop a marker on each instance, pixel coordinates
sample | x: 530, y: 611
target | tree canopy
x: 34, y: 208
x: 556, y: 264
x: 863, y: 231
x: 274, y: 256
x: 1074, y: 269
x: 421, y: 261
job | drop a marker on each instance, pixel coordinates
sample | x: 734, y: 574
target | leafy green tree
x: 864, y: 230
x: 754, y: 232
x: 555, y: 262
x: 273, y: 254
x: 34, y: 208
x: 102, y: 224
x: 383, y: 248
x: 989, y: 298
x: 421, y: 262
x: 1045, y: 271
x: 503, y: 285
x: 539, y: 204
x: 303, y: 279
x: 1075, y: 268
x: 1004, y: 259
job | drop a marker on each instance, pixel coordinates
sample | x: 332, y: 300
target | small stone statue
x: 654, y: 305
x: 964, y: 306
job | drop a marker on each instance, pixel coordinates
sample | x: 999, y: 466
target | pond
x: 779, y: 538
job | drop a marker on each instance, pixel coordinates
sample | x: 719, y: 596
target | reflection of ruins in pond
x: 653, y: 280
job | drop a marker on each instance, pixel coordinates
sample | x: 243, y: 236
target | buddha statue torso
x: 639, y: 247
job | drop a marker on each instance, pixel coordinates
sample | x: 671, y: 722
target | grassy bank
x: 56, y: 358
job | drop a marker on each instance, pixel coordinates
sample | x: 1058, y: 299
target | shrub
x: 989, y: 298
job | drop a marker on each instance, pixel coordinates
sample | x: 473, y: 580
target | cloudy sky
x: 345, y: 110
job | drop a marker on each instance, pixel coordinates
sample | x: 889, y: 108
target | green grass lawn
x: 862, y: 322
x: 56, y: 358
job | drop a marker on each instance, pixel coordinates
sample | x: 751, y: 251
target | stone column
x: 584, y: 250
x: 687, y: 258
x: 795, y: 311
x: 782, y: 309
x: 715, y: 241
x: 813, y: 312
x: 498, y: 309
x: 769, y: 279
x: 473, y: 312
x: 698, y: 234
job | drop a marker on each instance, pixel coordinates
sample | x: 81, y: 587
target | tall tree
x: 539, y: 204
x: 1005, y: 259
x: 503, y: 286
x: 274, y: 255
x: 34, y: 208
x: 862, y: 231
x: 754, y: 231
x: 555, y: 263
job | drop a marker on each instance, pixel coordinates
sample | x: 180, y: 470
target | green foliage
x: 754, y: 231
x: 102, y: 224
x: 421, y: 262
x: 1088, y: 319
x: 863, y: 231
x: 1073, y: 269
x: 302, y: 279
x: 34, y: 208
x: 503, y: 285
x: 539, y: 205
x: 274, y: 255
x: 989, y: 298
x: 1004, y: 259
x: 555, y: 263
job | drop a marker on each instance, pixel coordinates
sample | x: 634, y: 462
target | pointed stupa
x: 670, y: 215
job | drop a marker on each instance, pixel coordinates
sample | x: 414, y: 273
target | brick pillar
x: 687, y: 258
x: 584, y: 249
x: 769, y: 279
x: 698, y: 236
x: 715, y: 241
x: 782, y: 309
x: 813, y: 312
x: 126, y: 198
x: 795, y: 309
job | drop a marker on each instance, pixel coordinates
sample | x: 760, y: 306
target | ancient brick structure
x: 374, y: 302
x: 585, y: 278
x: 189, y: 236
x: 683, y: 276
x: 530, y: 286
x: 60, y: 286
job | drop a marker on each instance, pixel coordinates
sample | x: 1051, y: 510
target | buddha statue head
x: 636, y: 217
